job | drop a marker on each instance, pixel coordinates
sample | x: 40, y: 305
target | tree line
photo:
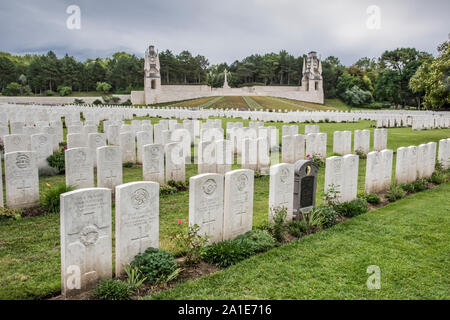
x: 401, y: 77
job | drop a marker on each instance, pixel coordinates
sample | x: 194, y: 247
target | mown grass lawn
x: 408, y: 240
x: 29, y: 248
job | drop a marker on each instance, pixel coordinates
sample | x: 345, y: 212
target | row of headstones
x: 222, y: 206
x: 413, y: 163
x: 160, y: 164
x: 119, y: 112
x: 342, y: 141
x: 427, y: 123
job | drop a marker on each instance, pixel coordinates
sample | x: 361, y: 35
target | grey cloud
x: 223, y: 30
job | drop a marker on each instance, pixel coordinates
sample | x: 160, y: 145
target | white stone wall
x: 182, y: 92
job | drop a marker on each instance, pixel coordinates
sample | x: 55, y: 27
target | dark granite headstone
x: 305, y: 185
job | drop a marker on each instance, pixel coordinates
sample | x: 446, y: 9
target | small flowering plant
x: 317, y: 159
x: 191, y: 242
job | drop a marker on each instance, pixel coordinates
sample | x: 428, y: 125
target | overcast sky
x: 225, y: 30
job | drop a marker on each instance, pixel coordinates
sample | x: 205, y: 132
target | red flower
x: 307, y: 155
x: 179, y: 222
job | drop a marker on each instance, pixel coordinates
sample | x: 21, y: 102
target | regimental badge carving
x: 209, y: 186
x: 109, y: 154
x: 89, y: 235
x: 154, y: 152
x: 42, y: 140
x: 22, y: 161
x: 16, y: 140
x: 284, y: 175
x: 80, y: 157
x: 242, y: 182
x: 139, y: 198
x: 98, y: 139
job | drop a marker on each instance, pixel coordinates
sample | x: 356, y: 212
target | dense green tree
x: 396, y: 69
x: 7, y: 72
x: 332, y: 69
x: 433, y: 79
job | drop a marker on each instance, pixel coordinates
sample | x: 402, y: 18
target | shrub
x: 438, y: 166
x: 103, y: 87
x: 297, y: 228
x: 57, y: 161
x: 361, y: 154
x: 179, y: 185
x: 134, y: 277
x: 420, y: 185
x: 227, y: 253
x: 49, y: 93
x: 128, y: 165
x: 113, y: 290
x: 64, y: 90
x: 78, y: 101
x: 126, y: 103
x: 10, y: 213
x: 312, y: 219
x: 97, y: 102
x: 155, y: 264
x: 331, y: 195
x: 408, y: 187
x: 277, y: 226
x: 352, y: 208
x: 12, y: 89
x: 328, y: 216
x: 259, y: 240
x: 357, y: 97
x: 372, y: 198
x: 437, y: 177
x: 111, y: 100
x: 50, y: 200
x: 165, y: 189
x: 395, y: 193
x: 191, y: 243
x: 316, y: 159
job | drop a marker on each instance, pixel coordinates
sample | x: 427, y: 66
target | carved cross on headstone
x: 24, y: 188
x: 140, y: 237
x: 208, y: 221
x: 110, y: 176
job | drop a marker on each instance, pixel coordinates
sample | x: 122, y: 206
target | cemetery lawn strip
x: 228, y: 102
x: 408, y: 240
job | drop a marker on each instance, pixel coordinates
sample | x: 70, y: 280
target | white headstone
x: 380, y: 139
x: 21, y: 179
x: 76, y: 140
x: 206, y: 204
x: 86, y: 241
x: 281, y: 188
x: 143, y: 138
x: 137, y: 220
x: 238, y: 207
x: 109, y: 167
x: 128, y: 147
x: 175, y: 162
x: 17, y: 142
x: 42, y: 144
x: 153, y: 163
x: 95, y: 140
x: 79, y: 168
